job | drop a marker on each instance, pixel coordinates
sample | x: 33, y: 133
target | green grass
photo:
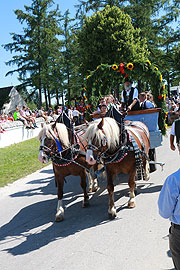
x: 19, y: 160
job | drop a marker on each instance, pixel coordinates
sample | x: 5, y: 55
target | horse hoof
x: 59, y: 218
x: 85, y: 204
x: 131, y: 204
x: 112, y: 216
x: 95, y: 189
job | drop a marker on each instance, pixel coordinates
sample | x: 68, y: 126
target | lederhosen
x: 129, y: 100
x: 177, y: 131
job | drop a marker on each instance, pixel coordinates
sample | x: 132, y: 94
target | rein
x: 74, y: 151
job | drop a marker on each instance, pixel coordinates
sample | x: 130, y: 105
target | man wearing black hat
x: 175, y: 132
x: 129, y: 96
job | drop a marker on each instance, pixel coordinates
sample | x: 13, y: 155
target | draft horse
x: 128, y: 155
x: 67, y: 159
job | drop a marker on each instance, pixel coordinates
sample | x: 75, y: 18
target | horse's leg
x: 93, y: 181
x: 146, y: 169
x: 84, y: 186
x: 60, y: 210
x: 90, y: 180
x: 132, y: 185
x: 110, y: 188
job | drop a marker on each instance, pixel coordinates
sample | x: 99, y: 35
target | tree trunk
x: 57, y: 97
x: 168, y: 84
x: 46, y: 100
x: 69, y: 89
x: 49, y: 97
x: 62, y: 98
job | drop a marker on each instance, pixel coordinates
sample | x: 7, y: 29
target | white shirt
x: 148, y: 104
x: 135, y: 94
x: 70, y: 113
x: 173, y: 129
x: 75, y: 113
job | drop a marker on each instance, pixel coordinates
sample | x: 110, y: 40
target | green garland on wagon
x: 106, y: 77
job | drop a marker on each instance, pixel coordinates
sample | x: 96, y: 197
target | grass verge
x: 19, y: 160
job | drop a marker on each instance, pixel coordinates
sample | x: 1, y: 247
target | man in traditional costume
x: 129, y: 96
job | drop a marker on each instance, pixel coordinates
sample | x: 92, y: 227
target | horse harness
x: 128, y: 143
x: 64, y: 157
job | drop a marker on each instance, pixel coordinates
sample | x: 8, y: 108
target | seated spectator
x: 10, y: 116
x: 50, y: 111
x: 59, y: 109
x: 41, y: 113
x: 18, y: 117
x: 30, y: 117
x: 144, y: 103
x: 24, y: 115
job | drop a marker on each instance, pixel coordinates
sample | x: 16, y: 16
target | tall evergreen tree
x: 34, y: 45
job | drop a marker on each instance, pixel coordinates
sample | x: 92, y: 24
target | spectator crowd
x: 77, y: 113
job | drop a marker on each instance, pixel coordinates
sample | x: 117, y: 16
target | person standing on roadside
x: 175, y: 132
x: 169, y: 207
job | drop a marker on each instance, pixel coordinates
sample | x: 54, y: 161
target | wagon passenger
x: 129, y: 97
x: 144, y: 102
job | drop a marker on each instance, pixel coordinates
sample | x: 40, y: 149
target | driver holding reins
x: 129, y: 96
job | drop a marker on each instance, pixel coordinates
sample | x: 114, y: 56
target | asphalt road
x: 137, y: 239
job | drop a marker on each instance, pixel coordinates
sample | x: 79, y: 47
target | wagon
x: 150, y: 118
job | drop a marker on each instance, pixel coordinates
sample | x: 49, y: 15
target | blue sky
x: 9, y: 24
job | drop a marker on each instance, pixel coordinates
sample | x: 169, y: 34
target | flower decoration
x: 147, y: 61
x: 84, y: 89
x: 121, y: 68
x: 155, y: 68
x: 88, y: 77
x: 160, y: 78
x: 165, y: 126
x: 97, y: 67
x: 160, y: 97
x: 114, y: 67
x: 164, y: 86
x: 130, y: 66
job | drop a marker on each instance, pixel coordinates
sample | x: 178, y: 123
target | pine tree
x: 35, y: 45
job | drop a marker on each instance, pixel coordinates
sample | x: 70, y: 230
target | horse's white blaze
x: 42, y: 157
x: 89, y: 157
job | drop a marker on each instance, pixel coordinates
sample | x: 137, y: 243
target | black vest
x: 129, y: 100
x: 143, y: 105
x: 177, y: 130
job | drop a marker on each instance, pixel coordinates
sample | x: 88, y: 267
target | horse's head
x: 53, y: 138
x: 102, y: 135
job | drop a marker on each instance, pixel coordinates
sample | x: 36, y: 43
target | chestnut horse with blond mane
x: 68, y: 158
x: 128, y: 156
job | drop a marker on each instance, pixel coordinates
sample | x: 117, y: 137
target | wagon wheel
x: 152, y: 156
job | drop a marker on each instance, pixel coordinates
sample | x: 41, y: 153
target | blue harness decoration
x: 58, y: 145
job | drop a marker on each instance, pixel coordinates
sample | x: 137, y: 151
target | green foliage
x: 19, y: 160
x: 108, y: 36
x: 104, y: 77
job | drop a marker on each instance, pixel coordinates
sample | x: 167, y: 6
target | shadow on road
x: 34, y: 226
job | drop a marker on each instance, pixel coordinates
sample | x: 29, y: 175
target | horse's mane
x: 47, y: 131
x: 110, y: 130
